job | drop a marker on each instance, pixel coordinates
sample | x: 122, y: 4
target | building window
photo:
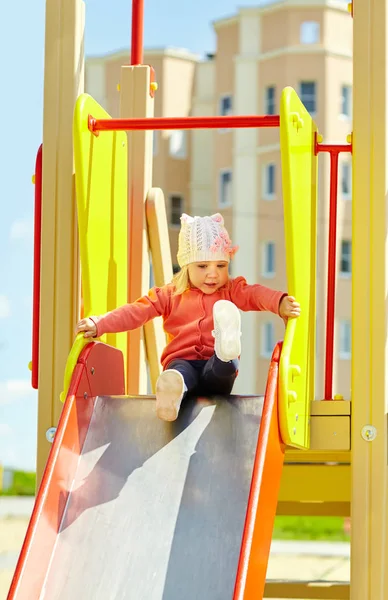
x: 308, y: 93
x: 176, y: 209
x: 309, y: 32
x: 269, y: 181
x: 225, y: 192
x: 345, y: 340
x: 346, y: 101
x: 267, y: 339
x: 346, y: 180
x: 226, y: 109
x: 226, y: 105
x: 270, y: 100
x: 155, y: 142
x: 268, y: 259
x: 346, y: 258
x: 178, y: 144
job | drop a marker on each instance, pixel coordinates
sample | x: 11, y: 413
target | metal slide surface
x: 157, y: 510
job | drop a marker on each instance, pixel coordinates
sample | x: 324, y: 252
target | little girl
x: 200, y: 314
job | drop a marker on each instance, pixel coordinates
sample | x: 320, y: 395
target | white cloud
x: 5, y: 307
x: 5, y: 429
x: 21, y: 230
x: 14, y: 389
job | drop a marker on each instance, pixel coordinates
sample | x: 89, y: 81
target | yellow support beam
x: 317, y: 456
x: 314, y: 509
x: 315, y: 590
x: 315, y: 483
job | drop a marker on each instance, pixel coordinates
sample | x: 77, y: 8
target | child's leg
x: 179, y: 378
x: 218, y: 376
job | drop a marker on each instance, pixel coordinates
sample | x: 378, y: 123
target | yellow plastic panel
x: 101, y: 189
x: 299, y: 174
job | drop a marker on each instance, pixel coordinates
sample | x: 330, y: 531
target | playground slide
x: 131, y: 507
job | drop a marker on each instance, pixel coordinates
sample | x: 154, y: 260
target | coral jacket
x: 187, y: 318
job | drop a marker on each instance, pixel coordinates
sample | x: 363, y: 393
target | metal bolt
x: 85, y: 395
x: 294, y: 431
x: 92, y: 370
x: 296, y: 417
x: 368, y: 433
x: 50, y: 434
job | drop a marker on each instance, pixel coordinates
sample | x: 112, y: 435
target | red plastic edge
x: 37, y: 253
x: 99, y: 371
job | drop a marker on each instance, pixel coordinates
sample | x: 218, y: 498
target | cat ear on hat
x: 186, y: 218
x: 217, y: 218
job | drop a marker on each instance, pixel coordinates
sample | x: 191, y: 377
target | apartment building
x: 305, y: 44
x: 174, y: 72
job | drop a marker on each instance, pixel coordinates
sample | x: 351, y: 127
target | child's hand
x: 289, y: 308
x: 88, y: 326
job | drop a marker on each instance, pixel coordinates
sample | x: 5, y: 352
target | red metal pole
x: 96, y: 125
x: 36, y: 284
x: 331, y: 276
x: 334, y: 150
x: 137, y: 32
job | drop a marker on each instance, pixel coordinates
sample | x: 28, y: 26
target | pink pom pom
x: 217, y: 218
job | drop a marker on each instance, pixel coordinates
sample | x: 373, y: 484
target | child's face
x: 208, y: 276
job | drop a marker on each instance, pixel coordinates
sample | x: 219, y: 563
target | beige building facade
x: 260, y: 50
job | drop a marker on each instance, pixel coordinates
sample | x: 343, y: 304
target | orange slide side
x: 263, y: 497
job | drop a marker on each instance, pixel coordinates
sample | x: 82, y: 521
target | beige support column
x: 369, y: 568
x: 63, y: 82
x: 159, y: 242
x: 136, y: 101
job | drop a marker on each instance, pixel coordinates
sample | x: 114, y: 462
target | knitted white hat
x: 203, y: 239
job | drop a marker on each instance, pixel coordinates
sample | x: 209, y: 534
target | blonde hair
x: 181, y: 281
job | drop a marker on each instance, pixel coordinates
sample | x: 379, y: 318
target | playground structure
x: 316, y: 476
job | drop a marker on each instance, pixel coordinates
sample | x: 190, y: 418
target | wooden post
x: 137, y: 101
x: 63, y: 82
x: 369, y: 568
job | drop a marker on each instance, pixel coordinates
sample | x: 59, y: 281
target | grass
x: 329, y: 529
x: 23, y: 485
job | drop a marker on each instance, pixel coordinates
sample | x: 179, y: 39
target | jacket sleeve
x: 132, y: 316
x: 254, y: 297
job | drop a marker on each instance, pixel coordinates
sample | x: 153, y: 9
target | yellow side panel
x: 299, y: 173
x: 101, y: 190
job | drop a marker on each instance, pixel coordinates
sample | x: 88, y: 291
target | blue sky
x: 168, y: 23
